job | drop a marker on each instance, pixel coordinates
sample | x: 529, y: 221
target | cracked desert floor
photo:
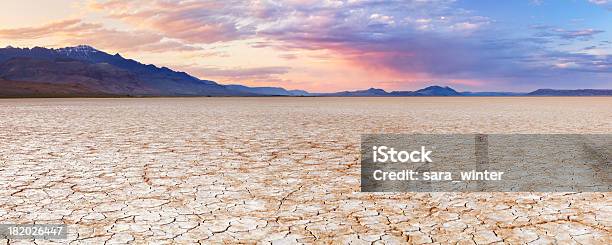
x: 273, y: 170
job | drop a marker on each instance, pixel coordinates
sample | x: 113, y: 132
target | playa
x: 277, y: 170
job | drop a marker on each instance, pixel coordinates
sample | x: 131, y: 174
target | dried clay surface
x: 273, y: 170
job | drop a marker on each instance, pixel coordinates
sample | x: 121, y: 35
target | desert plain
x: 274, y: 170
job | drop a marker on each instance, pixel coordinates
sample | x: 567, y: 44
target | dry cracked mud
x: 273, y: 170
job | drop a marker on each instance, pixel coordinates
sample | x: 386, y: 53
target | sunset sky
x: 323, y: 46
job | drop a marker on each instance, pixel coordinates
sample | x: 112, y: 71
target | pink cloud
x: 64, y: 26
x: 194, y: 22
x: 75, y: 32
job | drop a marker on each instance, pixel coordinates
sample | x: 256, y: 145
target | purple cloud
x: 582, y: 34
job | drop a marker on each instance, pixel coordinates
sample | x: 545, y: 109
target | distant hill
x: 299, y: 92
x: 376, y: 92
x: 367, y: 93
x: 269, y: 91
x: 437, y: 91
x: 448, y: 91
x: 577, y: 92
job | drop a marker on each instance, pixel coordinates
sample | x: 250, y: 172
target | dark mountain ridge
x: 102, y: 72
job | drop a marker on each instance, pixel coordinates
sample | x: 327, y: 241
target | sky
x: 329, y: 45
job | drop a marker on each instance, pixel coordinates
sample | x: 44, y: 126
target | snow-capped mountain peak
x: 80, y: 50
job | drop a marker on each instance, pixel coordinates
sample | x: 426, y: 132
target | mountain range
x: 98, y: 73
x: 376, y: 92
x: 83, y: 71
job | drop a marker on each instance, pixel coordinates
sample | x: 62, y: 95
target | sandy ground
x: 279, y: 170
